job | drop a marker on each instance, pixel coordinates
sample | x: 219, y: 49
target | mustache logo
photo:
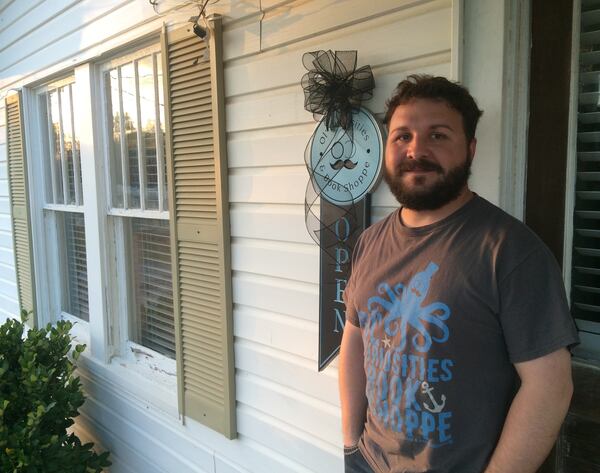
x: 343, y: 163
x: 408, y: 165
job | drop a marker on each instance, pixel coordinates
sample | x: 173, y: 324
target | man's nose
x: 417, y: 148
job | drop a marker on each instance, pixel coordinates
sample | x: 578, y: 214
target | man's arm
x: 535, y: 415
x: 352, y: 385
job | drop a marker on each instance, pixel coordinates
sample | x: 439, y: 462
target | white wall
x: 288, y: 413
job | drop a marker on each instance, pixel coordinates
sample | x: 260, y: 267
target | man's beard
x: 430, y: 197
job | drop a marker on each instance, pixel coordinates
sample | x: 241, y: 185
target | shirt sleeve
x: 534, y: 313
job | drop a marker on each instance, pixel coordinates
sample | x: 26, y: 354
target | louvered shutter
x: 17, y: 180
x: 585, y: 296
x: 197, y: 171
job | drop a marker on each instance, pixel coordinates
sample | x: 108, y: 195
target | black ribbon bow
x: 333, y: 86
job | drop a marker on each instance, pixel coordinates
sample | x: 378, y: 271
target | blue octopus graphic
x: 402, y: 304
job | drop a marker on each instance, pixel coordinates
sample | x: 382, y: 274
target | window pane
x: 114, y: 116
x: 153, y: 305
x: 130, y: 115
x: 76, y: 149
x: 137, y: 112
x: 65, y: 102
x: 148, y: 121
x: 75, y: 301
x: 47, y: 147
x: 55, y: 132
x: 161, y: 119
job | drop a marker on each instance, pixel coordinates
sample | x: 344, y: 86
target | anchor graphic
x: 425, y: 389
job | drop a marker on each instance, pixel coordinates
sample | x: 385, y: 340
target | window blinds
x: 151, y: 249
x: 76, y: 265
x: 585, y: 294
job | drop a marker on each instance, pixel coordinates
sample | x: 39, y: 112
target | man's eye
x: 403, y: 137
x: 438, y: 136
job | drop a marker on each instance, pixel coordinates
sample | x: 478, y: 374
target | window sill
x: 138, y: 381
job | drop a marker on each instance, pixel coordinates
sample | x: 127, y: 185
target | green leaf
x: 39, y: 397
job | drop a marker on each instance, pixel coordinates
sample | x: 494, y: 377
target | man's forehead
x: 435, y: 113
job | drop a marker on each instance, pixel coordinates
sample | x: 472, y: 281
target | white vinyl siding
x: 287, y: 412
x: 283, y: 403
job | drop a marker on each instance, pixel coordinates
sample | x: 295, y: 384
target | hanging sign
x: 344, y: 160
x: 334, y: 273
x: 346, y: 166
x: 344, y: 171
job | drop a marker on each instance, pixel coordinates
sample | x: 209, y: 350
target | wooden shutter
x: 585, y: 295
x: 197, y: 172
x: 20, y: 219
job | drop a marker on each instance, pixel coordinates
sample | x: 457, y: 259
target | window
x: 150, y: 286
x: 585, y: 267
x: 135, y: 136
x: 63, y: 200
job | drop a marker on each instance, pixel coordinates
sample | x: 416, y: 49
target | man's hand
x: 352, y: 385
x: 535, y: 415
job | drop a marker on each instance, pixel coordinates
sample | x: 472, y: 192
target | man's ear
x: 472, y: 147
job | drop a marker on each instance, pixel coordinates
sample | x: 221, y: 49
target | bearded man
x: 454, y: 357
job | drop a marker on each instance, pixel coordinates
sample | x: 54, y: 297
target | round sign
x: 347, y: 166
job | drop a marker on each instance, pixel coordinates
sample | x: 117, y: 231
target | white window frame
x: 153, y: 364
x: 161, y: 213
x: 106, y: 333
x: 44, y: 223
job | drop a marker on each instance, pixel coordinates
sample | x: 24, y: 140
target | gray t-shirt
x: 445, y: 310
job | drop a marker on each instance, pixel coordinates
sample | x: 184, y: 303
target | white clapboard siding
x: 285, y: 106
x: 79, y: 33
x: 5, y: 222
x: 9, y: 307
x: 309, y: 415
x: 84, y: 31
x: 7, y: 273
x: 276, y: 365
x: 290, y: 439
x: 12, y: 10
x: 288, y: 412
x: 278, y: 295
x: 282, y: 67
x: 284, y: 185
x: 267, y: 134
x: 288, y: 334
x: 126, y: 457
x: 192, y: 448
x: 269, y: 147
x: 7, y: 288
x: 5, y: 239
x: 35, y: 18
x: 6, y: 256
x: 282, y: 260
x: 284, y: 222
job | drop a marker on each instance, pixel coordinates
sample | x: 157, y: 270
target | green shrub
x: 39, y: 396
